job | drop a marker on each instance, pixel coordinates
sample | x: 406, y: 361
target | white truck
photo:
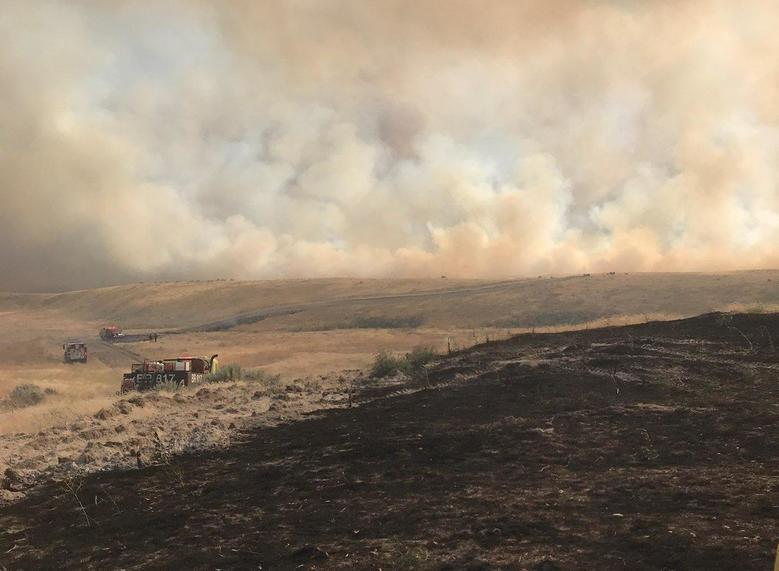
x: 75, y: 352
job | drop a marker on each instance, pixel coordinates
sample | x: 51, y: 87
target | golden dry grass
x: 330, y: 332
x: 182, y: 304
x: 79, y: 390
x: 451, y: 303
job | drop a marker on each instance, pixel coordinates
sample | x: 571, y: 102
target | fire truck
x: 183, y: 371
x: 111, y: 333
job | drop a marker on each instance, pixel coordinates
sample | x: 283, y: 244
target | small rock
x: 119, y: 428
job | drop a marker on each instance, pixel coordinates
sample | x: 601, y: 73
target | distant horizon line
x: 66, y: 290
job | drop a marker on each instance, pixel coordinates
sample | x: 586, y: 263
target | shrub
x: 230, y: 372
x: 25, y: 395
x: 385, y: 364
x: 420, y: 357
x: 233, y: 372
x: 273, y: 382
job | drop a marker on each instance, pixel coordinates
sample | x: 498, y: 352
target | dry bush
x: 271, y: 382
x: 419, y: 357
x: 229, y: 372
x: 25, y: 395
x: 234, y: 372
x: 385, y: 363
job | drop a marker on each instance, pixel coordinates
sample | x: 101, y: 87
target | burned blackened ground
x: 645, y: 447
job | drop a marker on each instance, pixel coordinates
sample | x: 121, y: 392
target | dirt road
x: 113, y: 354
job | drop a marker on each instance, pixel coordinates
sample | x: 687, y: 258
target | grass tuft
x: 386, y: 364
x: 229, y: 372
x: 25, y: 395
x: 234, y: 372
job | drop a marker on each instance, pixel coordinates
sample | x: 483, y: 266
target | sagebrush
x: 411, y: 364
x: 25, y: 395
x: 234, y: 372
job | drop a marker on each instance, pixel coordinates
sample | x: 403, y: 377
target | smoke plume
x: 145, y: 140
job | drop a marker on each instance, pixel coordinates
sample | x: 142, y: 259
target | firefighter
x: 214, y: 363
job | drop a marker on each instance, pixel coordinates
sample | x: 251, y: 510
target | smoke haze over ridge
x: 193, y: 139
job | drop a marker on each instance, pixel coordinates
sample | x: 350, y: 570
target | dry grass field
x: 320, y: 336
x: 305, y: 328
x: 646, y: 447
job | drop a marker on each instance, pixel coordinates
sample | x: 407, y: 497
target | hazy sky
x: 154, y: 139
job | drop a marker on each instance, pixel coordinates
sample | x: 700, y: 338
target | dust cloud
x: 145, y: 140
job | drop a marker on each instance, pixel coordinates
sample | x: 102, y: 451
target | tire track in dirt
x: 113, y: 355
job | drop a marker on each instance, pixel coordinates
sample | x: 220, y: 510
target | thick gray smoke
x: 193, y: 139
